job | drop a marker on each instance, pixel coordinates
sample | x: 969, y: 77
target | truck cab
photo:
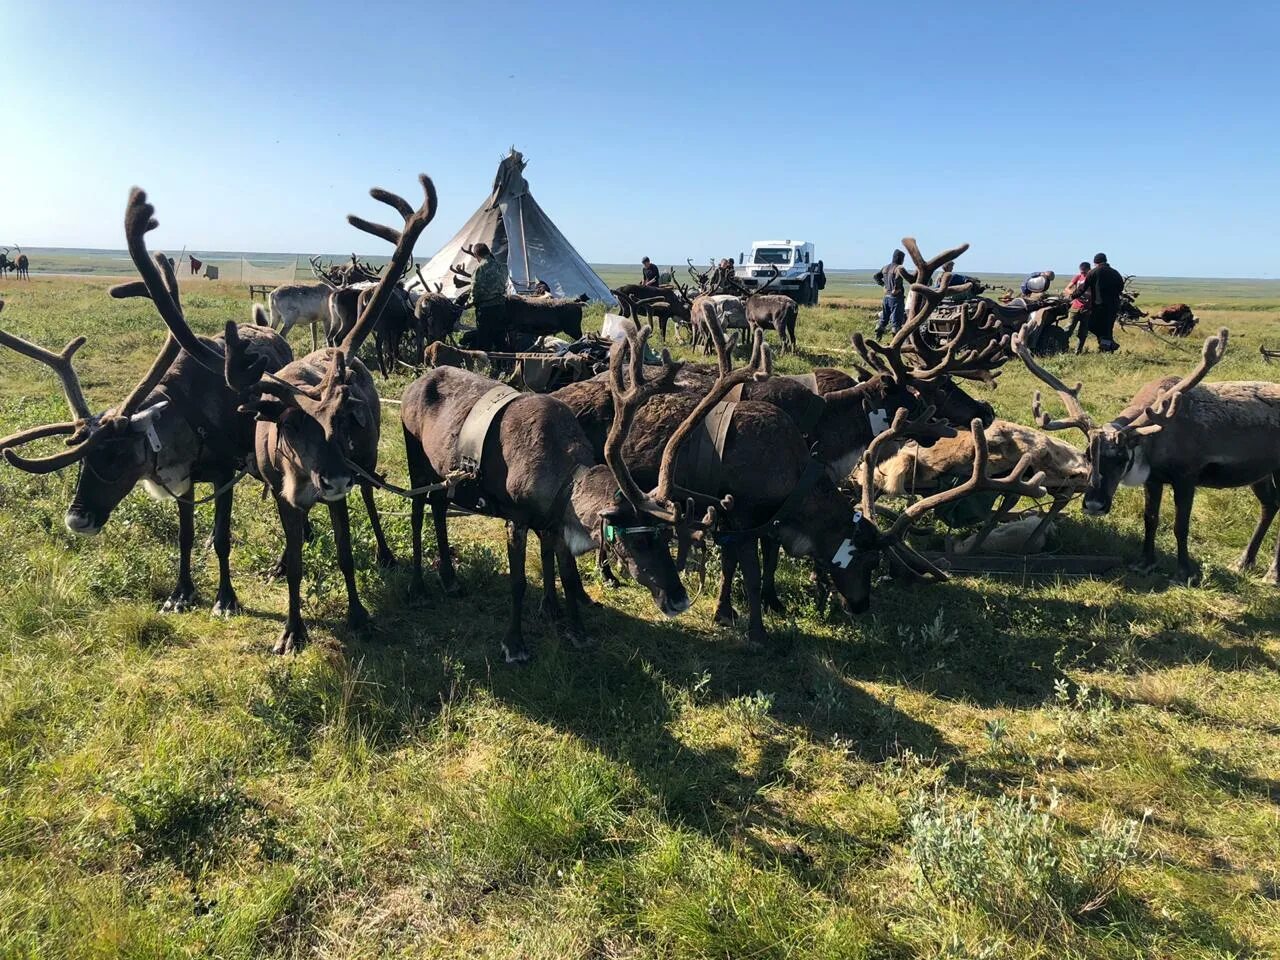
x: 800, y: 274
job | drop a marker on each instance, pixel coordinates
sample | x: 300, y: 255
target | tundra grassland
x: 982, y: 768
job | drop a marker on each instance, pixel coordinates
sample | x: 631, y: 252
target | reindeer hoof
x: 726, y: 616
x: 180, y: 601
x: 292, y: 639
x: 227, y: 605
x: 580, y: 639
x: 1272, y: 577
x: 773, y: 603
x: 357, y: 616
x: 1244, y: 564
x: 1187, y: 577
x: 277, y: 572
x: 514, y: 650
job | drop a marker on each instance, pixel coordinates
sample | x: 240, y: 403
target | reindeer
x: 660, y: 303
x: 436, y: 316
x: 832, y: 412
x: 1184, y: 434
x: 5, y: 263
x: 319, y: 422
x: 294, y: 303
x: 178, y: 427
x: 22, y: 265
x: 538, y: 472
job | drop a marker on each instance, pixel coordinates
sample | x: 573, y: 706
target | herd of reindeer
x: 643, y: 463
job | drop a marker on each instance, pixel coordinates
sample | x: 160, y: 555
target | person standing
x: 892, y: 276
x: 489, y: 293
x: 648, y: 273
x: 1103, y: 284
x: 1078, y: 314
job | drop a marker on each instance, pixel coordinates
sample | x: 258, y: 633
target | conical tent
x: 519, y: 232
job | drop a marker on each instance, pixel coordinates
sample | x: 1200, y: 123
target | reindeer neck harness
x: 475, y: 429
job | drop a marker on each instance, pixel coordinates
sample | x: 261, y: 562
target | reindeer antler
x: 1165, y: 406
x: 415, y: 221
x: 139, y: 220
x: 626, y: 401
x: 1077, y: 417
x: 1011, y: 486
x: 759, y: 368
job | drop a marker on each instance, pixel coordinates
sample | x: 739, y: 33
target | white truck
x: 800, y: 274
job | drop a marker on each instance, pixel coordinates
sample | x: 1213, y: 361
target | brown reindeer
x: 1181, y: 433
x: 319, y: 423
x: 655, y: 303
x: 22, y: 266
x: 538, y: 472
x: 178, y: 427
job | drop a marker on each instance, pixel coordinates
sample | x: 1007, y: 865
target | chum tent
x: 519, y: 232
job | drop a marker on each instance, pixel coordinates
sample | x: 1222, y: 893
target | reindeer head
x: 115, y: 449
x: 309, y: 433
x: 1117, y: 451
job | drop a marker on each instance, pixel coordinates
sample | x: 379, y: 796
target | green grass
x: 168, y: 788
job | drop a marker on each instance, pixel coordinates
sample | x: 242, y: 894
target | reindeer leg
x: 357, y: 615
x: 1150, y: 523
x: 184, y: 594
x: 513, y: 646
x: 1184, y: 494
x: 749, y: 559
x: 440, y: 514
x: 769, y: 550
x: 547, y: 552
x: 1273, y: 574
x: 1269, y: 501
x: 726, y: 616
x: 574, y: 595
x: 386, y: 559
x: 226, y: 604
x: 294, y: 635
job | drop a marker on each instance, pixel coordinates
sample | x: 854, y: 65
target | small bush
x: 1017, y: 863
x: 1083, y: 715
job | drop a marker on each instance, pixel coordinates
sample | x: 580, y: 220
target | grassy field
x: 976, y: 769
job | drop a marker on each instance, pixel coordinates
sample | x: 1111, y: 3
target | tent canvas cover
x: 520, y: 233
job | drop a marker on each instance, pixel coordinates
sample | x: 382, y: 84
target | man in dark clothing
x: 1104, y: 285
x: 489, y: 293
x: 891, y: 277
x: 648, y: 273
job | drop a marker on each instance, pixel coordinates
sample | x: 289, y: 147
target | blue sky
x: 1039, y: 133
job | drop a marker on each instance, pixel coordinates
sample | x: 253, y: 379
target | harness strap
x: 475, y: 429
x: 705, y: 453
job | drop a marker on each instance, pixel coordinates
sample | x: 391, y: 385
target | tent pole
x: 524, y: 242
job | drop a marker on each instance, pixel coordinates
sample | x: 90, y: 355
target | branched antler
x: 415, y: 221
x: 626, y: 401
x: 1165, y: 406
x: 1077, y: 417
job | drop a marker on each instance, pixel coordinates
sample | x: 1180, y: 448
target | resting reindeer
x: 319, y: 423
x: 537, y: 471
x: 1184, y: 434
x: 178, y: 427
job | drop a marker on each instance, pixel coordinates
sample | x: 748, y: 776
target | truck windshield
x: 773, y: 255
